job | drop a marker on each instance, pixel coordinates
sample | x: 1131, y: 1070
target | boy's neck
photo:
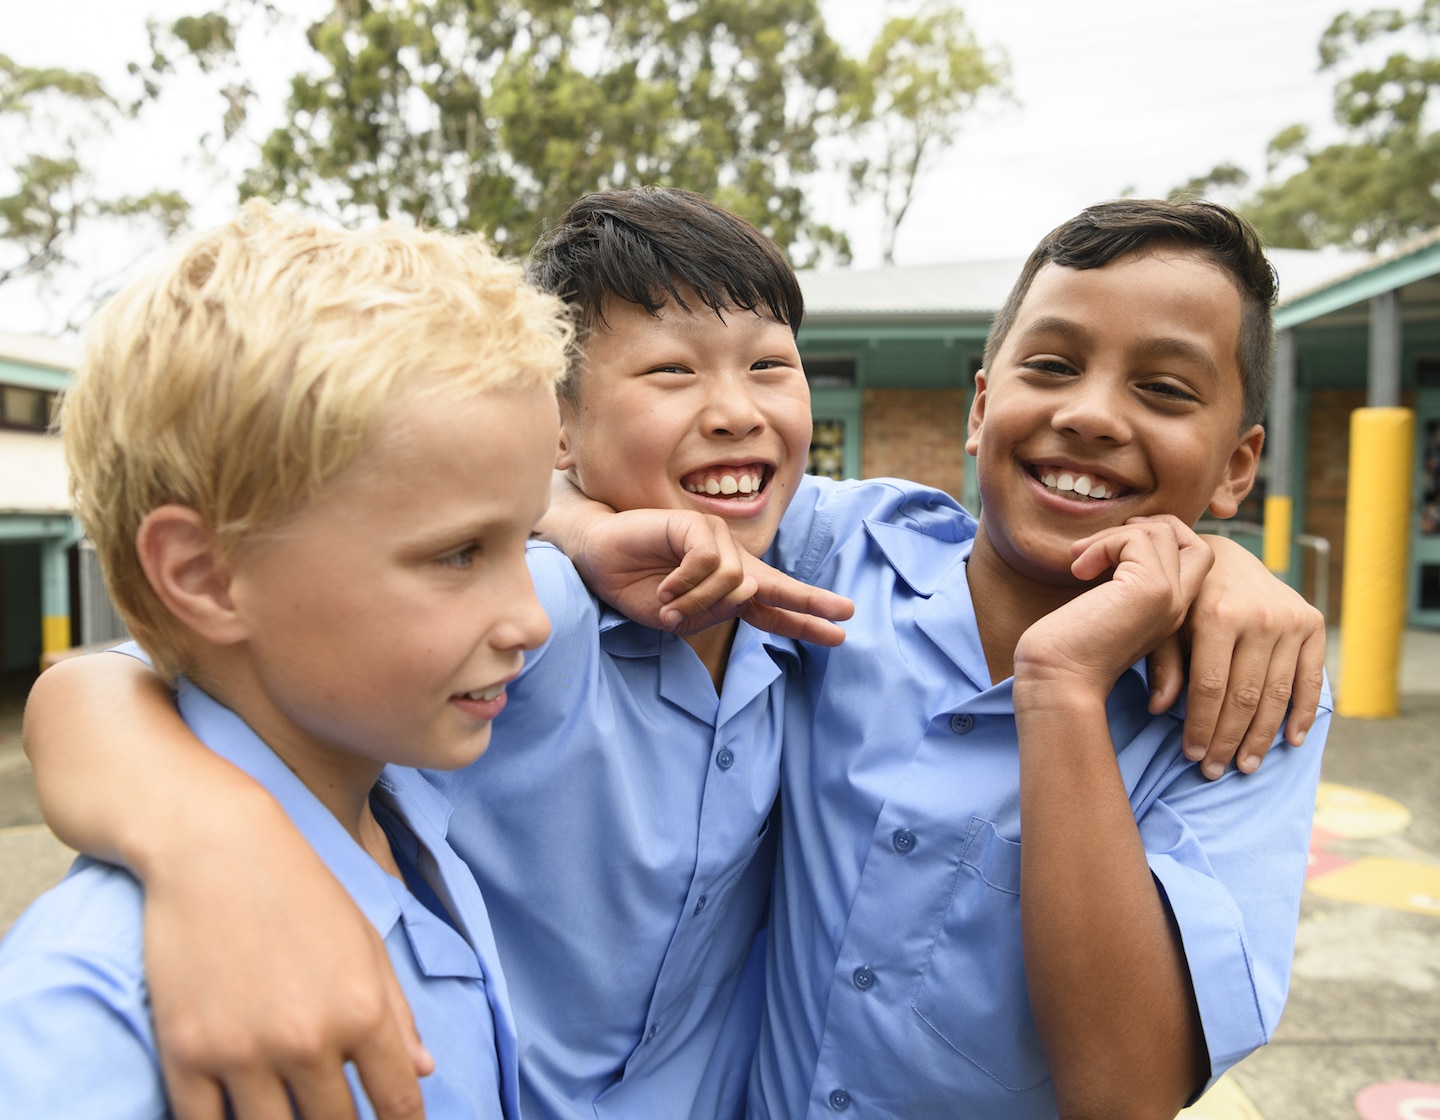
x: 712, y: 646
x: 1007, y: 603
x: 340, y: 781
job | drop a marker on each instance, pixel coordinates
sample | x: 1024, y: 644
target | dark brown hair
x: 1103, y: 233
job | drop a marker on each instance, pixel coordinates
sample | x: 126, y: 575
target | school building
x: 51, y: 596
x: 891, y: 354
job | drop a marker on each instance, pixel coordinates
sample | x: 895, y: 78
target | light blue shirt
x: 896, y: 978
x: 619, y: 827
x: 76, y: 1038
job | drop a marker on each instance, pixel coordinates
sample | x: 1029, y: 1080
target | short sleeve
x: 825, y: 515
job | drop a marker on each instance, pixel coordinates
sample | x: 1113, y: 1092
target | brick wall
x: 917, y: 434
x: 1327, y: 460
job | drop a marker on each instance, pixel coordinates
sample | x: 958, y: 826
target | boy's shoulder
x: 94, y: 915
x: 827, y: 516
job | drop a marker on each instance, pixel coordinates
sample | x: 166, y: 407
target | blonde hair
x: 262, y: 359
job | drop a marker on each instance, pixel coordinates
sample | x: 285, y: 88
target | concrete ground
x: 1361, y: 1034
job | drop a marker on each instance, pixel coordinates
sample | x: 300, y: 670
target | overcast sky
x: 1112, y: 95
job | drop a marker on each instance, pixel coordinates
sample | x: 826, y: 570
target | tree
x: 924, y: 73
x: 1377, y: 185
x: 50, y: 115
x: 495, y: 114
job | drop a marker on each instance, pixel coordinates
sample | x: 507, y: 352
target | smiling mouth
x: 734, y: 483
x: 1076, y: 485
x: 490, y: 693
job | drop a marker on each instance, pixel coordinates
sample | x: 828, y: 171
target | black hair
x: 656, y: 245
x: 1110, y: 230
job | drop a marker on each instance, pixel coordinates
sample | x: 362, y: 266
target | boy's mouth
x: 735, y: 483
x: 1078, y: 485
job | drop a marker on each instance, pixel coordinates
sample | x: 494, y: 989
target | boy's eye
x: 1048, y: 365
x: 1169, y: 391
x: 460, y: 557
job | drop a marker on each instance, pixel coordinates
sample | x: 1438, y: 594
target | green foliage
x: 52, y: 113
x: 924, y: 73
x: 1378, y: 184
x: 495, y: 114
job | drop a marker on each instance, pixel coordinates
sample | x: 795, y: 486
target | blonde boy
x: 285, y: 441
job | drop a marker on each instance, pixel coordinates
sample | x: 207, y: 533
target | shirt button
x: 725, y: 759
x: 962, y: 723
x: 864, y: 978
x: 904, y: 841
x: 652, y: 1032
x: 700, y: 904
x: 839, y: 1100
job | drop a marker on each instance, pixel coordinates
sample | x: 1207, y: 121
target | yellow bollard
x: 1377, y: 541
x: 54, y: 634
x: 1279, y: 516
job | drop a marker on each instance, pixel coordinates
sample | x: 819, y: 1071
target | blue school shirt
x: 896, y: 978
x: 619, y: 827
x: 76, y: 1038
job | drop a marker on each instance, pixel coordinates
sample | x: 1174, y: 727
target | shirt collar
x: 934, y: 569
x: 231, y: 738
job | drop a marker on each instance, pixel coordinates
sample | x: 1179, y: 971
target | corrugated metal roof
x: 39, y: 350
x: 976, y: 289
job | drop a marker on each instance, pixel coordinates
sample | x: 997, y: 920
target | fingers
x: 262, y: 1097
x: 192, y: 1097
x: 388, y: 1059
x: 1309, y: 684
x: 1256, y: 641
x: 711, y: 580
x: 790, y: 608
x: 1251, y: 706
x: 1167, y: 674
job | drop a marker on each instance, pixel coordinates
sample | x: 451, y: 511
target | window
x: 827, y: 449
x: 830, y: 373
x: 28, y: 409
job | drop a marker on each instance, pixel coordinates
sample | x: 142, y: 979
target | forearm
x: 1108, y: 982
x: 119, y: 775
x: 569, y: 516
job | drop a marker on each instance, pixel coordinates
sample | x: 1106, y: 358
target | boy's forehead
x: 1161, y: 289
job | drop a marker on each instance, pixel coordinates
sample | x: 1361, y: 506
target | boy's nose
x: 524, y: 624
x: 1092, y: 411
x: 731, y: 408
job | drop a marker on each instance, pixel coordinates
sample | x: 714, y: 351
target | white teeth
x: 728, y: 484
x: 1082, y: 484
x: 485, y: 693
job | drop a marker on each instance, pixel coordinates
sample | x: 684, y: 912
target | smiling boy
x: 1004, y: 891
x: 274, y: 443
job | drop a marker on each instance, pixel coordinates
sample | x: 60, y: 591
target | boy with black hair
x: 1004, y: 891
x: 627, y: 924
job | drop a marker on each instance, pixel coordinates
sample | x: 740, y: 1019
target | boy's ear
x: 185, y: 566
x: 1239, y: 474
x: 977, y: 414
x: 564, y: 457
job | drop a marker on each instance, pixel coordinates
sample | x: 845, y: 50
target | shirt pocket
x: 971, y: 991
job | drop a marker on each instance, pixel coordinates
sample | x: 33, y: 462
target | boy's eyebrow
x: 1180, y: 348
